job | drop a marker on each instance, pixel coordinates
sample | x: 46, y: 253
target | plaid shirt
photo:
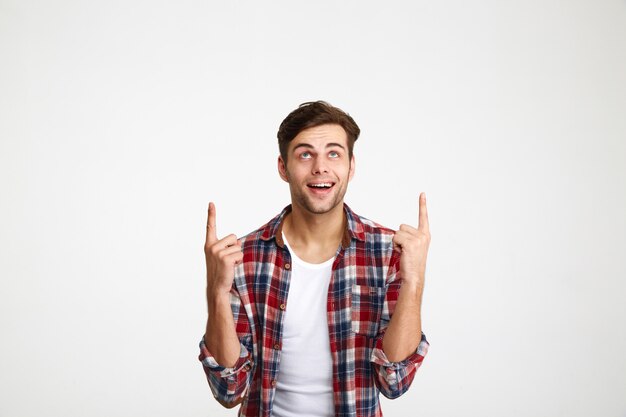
x: 362, y: 295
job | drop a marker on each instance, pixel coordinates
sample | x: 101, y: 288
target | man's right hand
x: 221, y: 257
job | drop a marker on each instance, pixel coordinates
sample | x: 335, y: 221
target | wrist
x: 217, y: 296
x: 415, y: 286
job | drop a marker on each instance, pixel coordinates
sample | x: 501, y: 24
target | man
x: 317, y: 311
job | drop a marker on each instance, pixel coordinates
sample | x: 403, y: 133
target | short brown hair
x: 312, y: 114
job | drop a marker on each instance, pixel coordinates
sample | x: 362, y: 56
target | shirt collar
x: 354, y: 227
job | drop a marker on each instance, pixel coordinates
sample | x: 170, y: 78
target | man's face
x: 318, y: 168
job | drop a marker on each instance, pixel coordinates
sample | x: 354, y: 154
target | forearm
x: 404, y: 332
x: 220, y: 337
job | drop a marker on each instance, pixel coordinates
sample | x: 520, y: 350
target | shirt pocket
x: 367, y: 306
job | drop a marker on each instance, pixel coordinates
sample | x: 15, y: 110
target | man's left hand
x: 413, y: 245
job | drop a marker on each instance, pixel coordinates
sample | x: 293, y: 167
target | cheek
x: 295, y: 173
x: 345, y: 170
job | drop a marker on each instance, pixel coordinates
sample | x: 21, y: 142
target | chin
x: 321, y: 208
x: 315, y: 205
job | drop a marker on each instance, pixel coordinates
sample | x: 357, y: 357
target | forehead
x: 320, y: 136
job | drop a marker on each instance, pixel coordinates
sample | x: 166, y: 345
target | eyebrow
x: 308, y: 146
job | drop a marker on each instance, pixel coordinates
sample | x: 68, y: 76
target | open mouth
x: 320, y: 186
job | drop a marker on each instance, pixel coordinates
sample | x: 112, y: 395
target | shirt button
x: 246, y: 368
x: 287, y: 266
x: 282, y: 306
x: 276, y: 346
x: 273, y: 382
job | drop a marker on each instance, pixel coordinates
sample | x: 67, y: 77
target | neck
x: 309, y: 229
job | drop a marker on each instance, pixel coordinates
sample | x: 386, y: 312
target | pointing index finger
x: 422, y: 214
x: 211, y: 232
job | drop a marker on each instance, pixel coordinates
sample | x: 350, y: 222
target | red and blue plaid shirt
x: 362, y: 295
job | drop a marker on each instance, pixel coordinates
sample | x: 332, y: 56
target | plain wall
x: 121, y: 120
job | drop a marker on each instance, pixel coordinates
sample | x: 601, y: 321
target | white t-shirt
x: 304, y: 385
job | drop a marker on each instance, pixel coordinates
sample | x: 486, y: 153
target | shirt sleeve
x: 230, y: 385
x: 394, y: 378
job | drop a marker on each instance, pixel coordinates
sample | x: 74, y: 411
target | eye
x: 333, y: 154
x: 305, y: 155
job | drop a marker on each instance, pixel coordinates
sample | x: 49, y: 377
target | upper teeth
x: 324, y: 184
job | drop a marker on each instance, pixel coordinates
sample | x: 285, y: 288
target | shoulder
x: 265, y: 234
x: 368, y: 230
x: 371, y: 238
x: 261, y: 255
x: 254, y: 238
x: 373, y: 244
x: 375, y: 230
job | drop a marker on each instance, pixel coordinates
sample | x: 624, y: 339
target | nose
x: 319, y: 166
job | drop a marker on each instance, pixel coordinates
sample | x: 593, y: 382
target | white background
x: 120, y: 120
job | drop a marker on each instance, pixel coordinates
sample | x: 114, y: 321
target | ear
x: 352, y: 168
x: 282, y: 169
